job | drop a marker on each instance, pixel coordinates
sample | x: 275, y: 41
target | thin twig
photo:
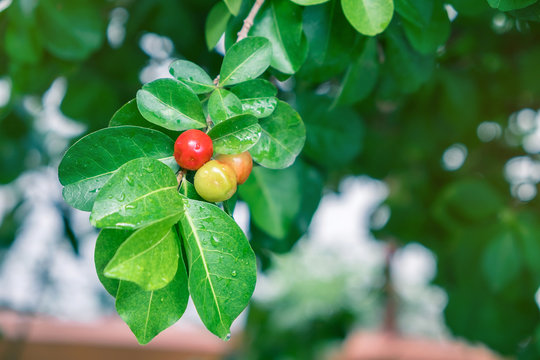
x: 248, y: 22
x: 180, y: 176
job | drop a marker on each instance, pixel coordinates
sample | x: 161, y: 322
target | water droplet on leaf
x: 234, y: 273
x: 129, y: 180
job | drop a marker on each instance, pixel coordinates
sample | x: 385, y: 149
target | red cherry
x: 193, y: 149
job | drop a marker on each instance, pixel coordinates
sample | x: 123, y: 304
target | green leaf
x: 361, y: 76
x: 149, y: 257
x: 245, y: 60
x: 282, y: 138
x: 129, y: 114
x: 334, y: 136
x: 501, y: 261
x: 273, y: 198
x: 258, y: 97
x: 191, y: 75
x: 507, y: 5
x: 188, y: 190
x: 141, y: 192
x: 70, y: 29
x: 281, y: 23
x: 409, y: 68
x: 233, y: 6
x: 222, y: 268
x: 368, y: 17
x: 223, y: 105
x: 147, y: 313
x: 309, y: 2
x: 107, y: 243
x: 429, y: 36
x: 92, y: 160
x: 418, y: 12
x: 216, y: 24
x: 22, y: 42
x: 236, y: 135
x: 170, y: 104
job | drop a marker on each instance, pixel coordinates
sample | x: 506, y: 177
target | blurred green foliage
x: 388, y: 107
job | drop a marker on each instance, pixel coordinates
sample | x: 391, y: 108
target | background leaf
x: 501, y: 261
x: 245, y: 60
x: 92, y: 160
x: 222, y: 269
x: 283, y: 136
x: 507, y: 5
x: 235, y: 135
x: 309, y: 2
x: 368, y: 17
x: 141, y: 192
x: 149, y: 257
x: 216, y: 24
x: 334, y: 137
x: 361, y: 75
x: 426, y: 37
x: 233, y: 6
x: 70, y: 29
x: 281, y: 23
x: 170, y: 104
x: 223, y: 105
x: 191, y: 75
x: 273, y: 197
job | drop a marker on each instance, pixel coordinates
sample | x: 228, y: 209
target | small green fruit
x: 215, y: 181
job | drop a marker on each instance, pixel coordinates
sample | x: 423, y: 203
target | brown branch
x: 248, y: 22
x: 180, y: 176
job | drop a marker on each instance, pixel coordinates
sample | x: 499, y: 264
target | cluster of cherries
x: 215, y: 180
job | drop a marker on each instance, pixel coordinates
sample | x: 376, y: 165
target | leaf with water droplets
x: 235, y: 135
x: 257, y: 97
x: 245, y: 60
x: 149, y: 257
x: 192, y: 75
x: 223, y: 105
x: 216, y: 246
x: 152, y: 197
x: 91, y: 161
x: 147, y: 313
x: 170, y: 104
x: 282, y: 138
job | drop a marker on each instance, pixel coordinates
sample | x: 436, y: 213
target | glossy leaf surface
x: 245, y: 60
x: 170, y: 104
x: 235, y: 135
x: 368, y: 17
x: 192, y: 75
x: 283, y: 136
x: 92, y: 160
x: 107, y: 243
x: 222, y: 269
x: 223, y: 105
x: 141, y: 192
x: 147, y: 313
x: 149, y: 257
x: 257, y: 97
